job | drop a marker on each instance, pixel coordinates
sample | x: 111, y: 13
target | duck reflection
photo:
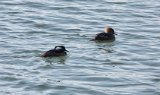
x: 52, y: 60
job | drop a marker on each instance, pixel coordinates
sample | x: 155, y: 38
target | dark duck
x: 107, y: 35
x: 57, y: 51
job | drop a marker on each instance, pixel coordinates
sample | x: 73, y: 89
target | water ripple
x: 128, y: 66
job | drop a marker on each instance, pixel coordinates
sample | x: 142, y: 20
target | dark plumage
x: 57, y: 51
x: 108, y: 35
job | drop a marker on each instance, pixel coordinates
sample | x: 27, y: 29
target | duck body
x: 104, y: 37
x: 107, y: 35
x: 57, y: 51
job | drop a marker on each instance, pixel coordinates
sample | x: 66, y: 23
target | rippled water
x: 128, y: 66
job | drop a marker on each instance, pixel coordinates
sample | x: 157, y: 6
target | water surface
x: 128, y: 66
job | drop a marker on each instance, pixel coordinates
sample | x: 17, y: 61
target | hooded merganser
x: 57, y: 51
x: 107, y: 35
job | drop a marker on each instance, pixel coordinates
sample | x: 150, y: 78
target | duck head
x: 109, y: 30
x: 61, y: 48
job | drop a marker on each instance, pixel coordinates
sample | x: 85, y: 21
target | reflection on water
x: 55, y: 60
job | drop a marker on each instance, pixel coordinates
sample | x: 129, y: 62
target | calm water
x: 128, y: 66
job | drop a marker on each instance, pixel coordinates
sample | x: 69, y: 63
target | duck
x: 57, y: 51
x: 107, y: 35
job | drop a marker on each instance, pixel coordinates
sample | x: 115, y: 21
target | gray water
x: 128, y: 66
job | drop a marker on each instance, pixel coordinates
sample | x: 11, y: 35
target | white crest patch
x: 58, y: 48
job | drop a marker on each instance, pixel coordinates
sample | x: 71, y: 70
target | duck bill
x: 66, y: 50
x: 115, y: 34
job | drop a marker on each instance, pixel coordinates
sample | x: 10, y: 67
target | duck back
x: 104, y: 36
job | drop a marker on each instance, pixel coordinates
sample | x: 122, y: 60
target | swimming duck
x: 107, y: 35
x: 57, y: 51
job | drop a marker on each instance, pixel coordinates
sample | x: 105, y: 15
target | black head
x: 60, y: 48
